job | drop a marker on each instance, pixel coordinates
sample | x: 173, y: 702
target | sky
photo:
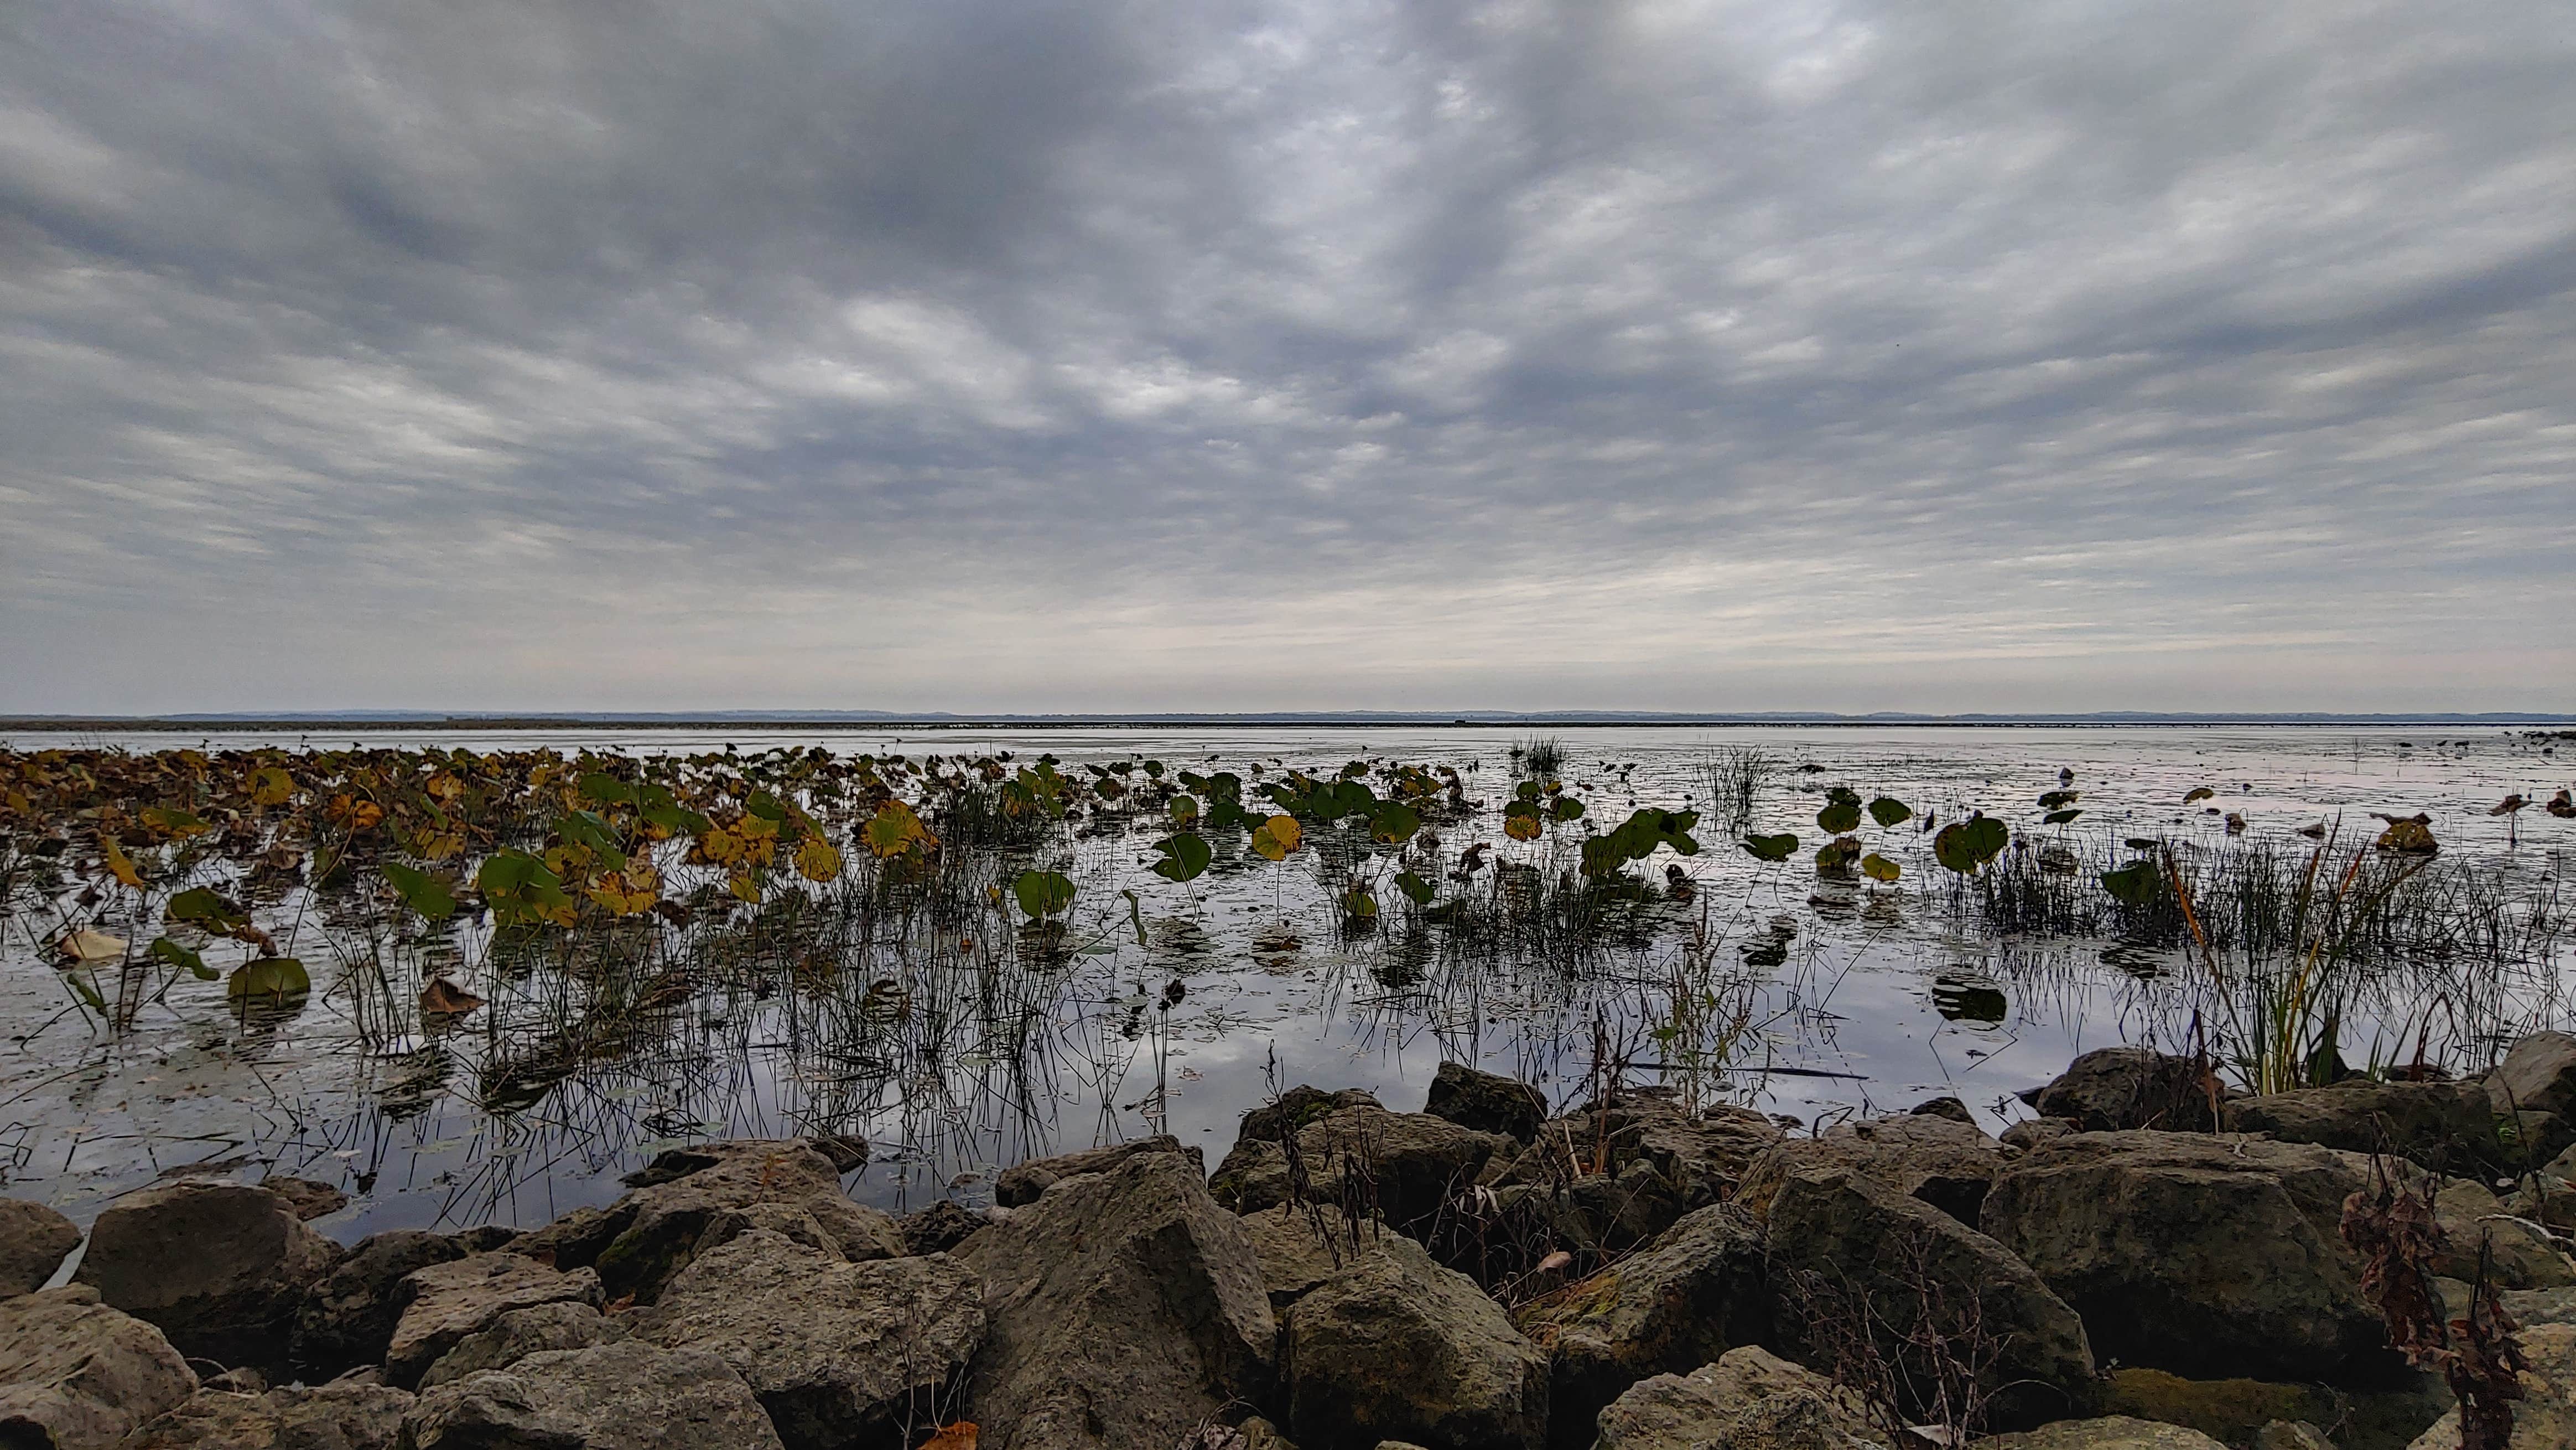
x: 612, y: 354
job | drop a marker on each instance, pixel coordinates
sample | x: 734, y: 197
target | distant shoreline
x: 332, y: 724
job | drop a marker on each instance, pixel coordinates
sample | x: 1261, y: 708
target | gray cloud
x: 1267, y: 355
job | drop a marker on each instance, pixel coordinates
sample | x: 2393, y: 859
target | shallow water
x: 1862, y: 997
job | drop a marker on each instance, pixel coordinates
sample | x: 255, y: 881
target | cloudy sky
x: 610, y: 354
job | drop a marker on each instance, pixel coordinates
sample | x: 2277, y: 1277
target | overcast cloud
x: 959, y: 355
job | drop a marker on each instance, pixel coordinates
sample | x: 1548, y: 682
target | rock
x: 2114, y: 1088
x: 1722, y: 1406
x: 1300, y: 1105
x: 937, y: 1229
x: 575, y: 1240
x: 1397, y: 1346
x: 1300, y: 1248
x: 2519, y: 1256
x: 33, y: 1241
x: 1486, y: 1102
x: 2545, y: 1417
x: 2200, y: 1255
x: 1699, y: 1291
x: 1951, y: 1108
x: 348, y: 1317
x: 2446, y: 1126
x: 1417, y: 1163
x: 486, y: 1239
x: 627, y: 1396
x: 658, y: 1226
x: 785, y: 1219
x: 1945, y: 1163
x: 2036, y: 1132
x: 222, y: 1268
x: 2528, y: 1307
x: 1844, y: 1245
x: 519, y: 1333
x: 336, y: 1416
x: 2291, y: 1435
x: 307, y: 1199
x: 2118, y: 1432
x: 2547, y: 1194
x: 446, y: 1302
x: 1122, y: 1308
x: 77, y: 1375
x: 2232, y: 1411
x: 2538, y: 1074
x: 244, y: 1381
x: 841, y: 1355
x: 848, y: 1152
x: 1022, y: 1184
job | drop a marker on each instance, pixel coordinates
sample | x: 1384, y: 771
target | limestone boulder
x: 1412, y: 1164
x: 1300, y: 1248
x: 624, y: 1396
x: 348, y: 1316
x: 221, y: 1268
x: 2538, y: 1074
x: 1023, y: 1183
x: 1485, y: 1101
x: 2115, y: 1432
x: 2517, y: 1255
x: 1397, y: 1347
x: 1945, y: 1163
x: 1122, y: 1308
x: 656, y: 1228
x: 78, y: 1375
x: 1297, y: 1107
x: 567, y: 1324
x: 841, y: 1355
x: 1848, y: 1250
x: 1698, y: 1291
x: 446, y: 1302
x: 937, y: 1229
x: 33, y: 1243
x: 344, y: 1415
x: 1749, y: 1399
x: 2115, y: 1088
x: 2201, y: 1255
x: 2446, y: 1126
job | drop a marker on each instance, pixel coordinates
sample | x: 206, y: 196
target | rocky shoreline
x: 2148, y: 1264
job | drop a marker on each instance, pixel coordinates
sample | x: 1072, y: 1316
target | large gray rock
x: 842, y: 1355
x: 627, y: 1396
x: 1407, y: 1164
x: 2545, y: 1417
x: 1122, y: 1308
x: 2115, y: 1088
x: 77, y: 1375
x: 651, y: 1233
x: 2115, y: 1432
x: 1300, y: 1248
x: 2448, y: 1126
x: 346, y: 1415
x: 1846, y: 1248
x: 523, y: 1332
x: 446, y: 1302
x: 222, y: 1268
x: 2204, y: 1256
x: 33, y: 1241
x: 2516, y: 1254
x: 1748, y: 1400
x: 348, y: 1318
x: 1946, y: 1163
x: 941, y: 1227
x: 1397, y: 1347
x: 1273, y: 1122
x: 2538, y: 1074
x: 1697, y: 1292
x: 1485, y: 1101
x: 1022, y: 1183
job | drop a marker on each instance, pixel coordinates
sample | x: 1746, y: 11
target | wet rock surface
x: 1397, y: 1347
x: 76, y: 1374
x: 1412, y: 1164
x: 1485, y: 1101
x: 519, y: 1333
x: 1122, y: 1308
x: 221, y: 1268
x: 627, y: 1396
x: 2202, y: 1255
x: 348, y: 1316
x: 1023, y: 1184
x: 839, y: 1354
x: 2446, y: 1126
x: 34, y: 1241
x: 2116, y: 1088
x: 1945, y: 1163
x: 446, y: 1302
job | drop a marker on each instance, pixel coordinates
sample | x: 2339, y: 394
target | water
x: 1853, y: 997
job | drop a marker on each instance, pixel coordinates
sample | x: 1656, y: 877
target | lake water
x: 1848, y: 995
